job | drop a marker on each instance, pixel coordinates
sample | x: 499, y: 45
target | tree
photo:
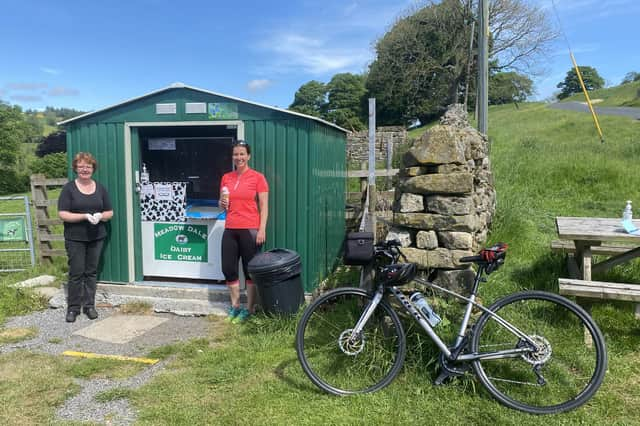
x: 55, y: 142
x: 421, y: 63
x: 346, y: 94
x: 631, y: 77
x: 521, y: 35
x: 310, y: 99
x: 509, y: 87
x: 14, y: 130
x: 571, y: 83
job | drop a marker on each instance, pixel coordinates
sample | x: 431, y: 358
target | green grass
x: 32, y: 387
x: 13, y: 335
x: 113, y: 395
x: 546, y: 163
x: 622, y: 95
x: 98, y: 368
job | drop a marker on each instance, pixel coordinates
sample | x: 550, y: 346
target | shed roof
x: 184, y: 86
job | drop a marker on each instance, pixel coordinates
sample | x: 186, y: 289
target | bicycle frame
x: 455, y: 353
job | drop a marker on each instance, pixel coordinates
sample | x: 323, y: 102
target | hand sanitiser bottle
x: 421, y: 304
x: 627, y: 214
x: 144, y: 176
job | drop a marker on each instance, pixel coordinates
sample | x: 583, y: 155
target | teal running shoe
x: 241, y: 316
x: 232, y: 313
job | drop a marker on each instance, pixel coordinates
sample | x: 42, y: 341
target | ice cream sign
x: 180, y: 242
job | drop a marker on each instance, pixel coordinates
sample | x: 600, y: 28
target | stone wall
x: 445, y: 199
x: 358, y: 143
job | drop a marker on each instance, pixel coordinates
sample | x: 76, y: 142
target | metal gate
x: 16, y: 239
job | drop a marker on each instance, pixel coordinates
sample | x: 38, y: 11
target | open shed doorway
x: 181, y: 222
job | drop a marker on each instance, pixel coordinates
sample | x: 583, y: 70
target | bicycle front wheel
x: 340, y: 361
x: 561, y: 374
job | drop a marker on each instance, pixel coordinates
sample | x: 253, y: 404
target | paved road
x: 579, y: 106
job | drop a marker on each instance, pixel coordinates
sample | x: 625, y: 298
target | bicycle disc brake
x: 542, y: 352
x: 351, y: 344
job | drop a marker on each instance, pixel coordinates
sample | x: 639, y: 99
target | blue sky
x: 91, y: 54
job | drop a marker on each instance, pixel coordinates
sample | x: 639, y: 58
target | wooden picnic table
x: 604, y: 237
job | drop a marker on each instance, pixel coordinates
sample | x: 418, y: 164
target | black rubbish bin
x: 276, y: 273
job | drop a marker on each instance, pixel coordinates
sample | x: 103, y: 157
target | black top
x: 74, y: 201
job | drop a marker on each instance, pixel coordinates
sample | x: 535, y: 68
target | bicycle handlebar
x: 388, y: 249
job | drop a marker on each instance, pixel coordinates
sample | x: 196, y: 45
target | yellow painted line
x: 117, y: 357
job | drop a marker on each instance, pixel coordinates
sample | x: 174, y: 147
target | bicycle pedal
x: 443, y: 377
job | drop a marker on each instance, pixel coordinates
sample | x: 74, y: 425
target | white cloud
x: 27, y: 87
x: 26, y: 98
x: 51, y: 71
x: 350, y: 8
x: 63, y: 91
x: 258, y: 84
x: 312, y: 55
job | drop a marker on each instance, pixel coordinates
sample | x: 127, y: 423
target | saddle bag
x: 358, y: 249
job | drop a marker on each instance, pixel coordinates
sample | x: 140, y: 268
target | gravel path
x: 56, y: 336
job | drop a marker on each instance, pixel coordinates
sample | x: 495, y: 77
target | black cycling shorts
x: 238, y: 244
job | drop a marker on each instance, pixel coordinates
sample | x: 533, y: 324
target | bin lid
x: 273, y: 259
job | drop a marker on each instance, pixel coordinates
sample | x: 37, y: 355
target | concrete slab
x: 120, y: 328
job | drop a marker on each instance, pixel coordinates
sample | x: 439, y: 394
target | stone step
x: 168, y: 290
x: 197, y: 301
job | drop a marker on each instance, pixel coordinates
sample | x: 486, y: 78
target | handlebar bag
x: 358, y: 249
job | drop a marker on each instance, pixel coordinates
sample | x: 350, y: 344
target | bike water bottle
x: 627, y: 214
x: 424, y: 308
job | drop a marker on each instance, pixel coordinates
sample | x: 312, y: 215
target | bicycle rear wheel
x: 562, y: 374
x: 341, y: 365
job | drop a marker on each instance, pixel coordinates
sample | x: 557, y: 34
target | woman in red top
x: 245, y: 226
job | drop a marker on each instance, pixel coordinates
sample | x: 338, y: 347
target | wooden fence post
x: 41, y: 202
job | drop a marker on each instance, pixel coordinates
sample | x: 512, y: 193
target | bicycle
x: 527, y: 349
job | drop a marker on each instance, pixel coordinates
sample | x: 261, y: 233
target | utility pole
x: 483, y: 66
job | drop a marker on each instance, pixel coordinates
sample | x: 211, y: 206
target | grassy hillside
x: 550, y: 163
x: 623, y: 95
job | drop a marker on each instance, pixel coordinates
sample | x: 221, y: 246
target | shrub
x: 55, y: 142
x: 12, y: 182
x: 51, y: 165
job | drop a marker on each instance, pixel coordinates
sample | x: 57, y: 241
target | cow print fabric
x: 154, y: 210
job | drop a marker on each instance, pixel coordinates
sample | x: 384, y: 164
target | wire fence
x: 16, y: 237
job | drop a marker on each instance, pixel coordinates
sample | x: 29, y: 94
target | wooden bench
x: 601, y: 290
x: 567, y: 246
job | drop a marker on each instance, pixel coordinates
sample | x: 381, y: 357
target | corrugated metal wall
x: 106, y: 142
x: 304, y: 163
x: 303, y: 160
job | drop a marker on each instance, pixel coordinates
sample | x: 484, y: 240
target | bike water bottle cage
x: 397, y: 274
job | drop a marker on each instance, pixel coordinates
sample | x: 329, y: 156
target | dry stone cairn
x: 445, y: 199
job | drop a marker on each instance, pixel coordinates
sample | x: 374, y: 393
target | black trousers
x: 236, y: 244
x: 83, y: 270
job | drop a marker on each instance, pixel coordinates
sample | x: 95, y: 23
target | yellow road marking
x: 117, y: 357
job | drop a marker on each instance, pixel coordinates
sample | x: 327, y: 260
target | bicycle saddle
x: 397, y: 274
x: 492, y: 257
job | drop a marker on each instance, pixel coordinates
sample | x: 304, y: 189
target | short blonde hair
x: 85, y: 157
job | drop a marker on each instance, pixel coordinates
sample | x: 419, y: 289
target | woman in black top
x: 84, y: 206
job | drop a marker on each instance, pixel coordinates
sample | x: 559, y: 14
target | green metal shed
x: 184, y: 134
